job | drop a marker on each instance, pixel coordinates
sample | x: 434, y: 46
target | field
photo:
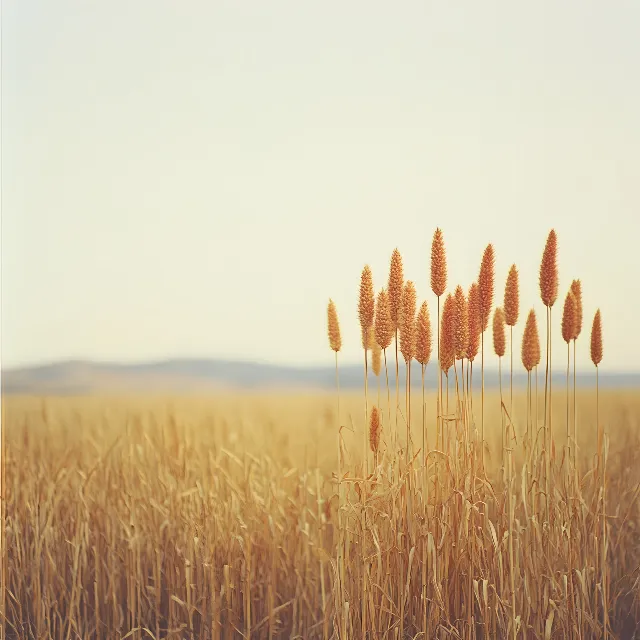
x: 218, y: 518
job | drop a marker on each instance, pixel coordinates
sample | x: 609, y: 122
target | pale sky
x: 198, y: 178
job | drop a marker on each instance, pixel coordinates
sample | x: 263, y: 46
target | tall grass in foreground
x: 216, y: 524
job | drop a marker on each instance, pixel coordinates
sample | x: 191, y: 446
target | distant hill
x: 200, y: 375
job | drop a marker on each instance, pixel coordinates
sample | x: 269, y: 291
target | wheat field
x: 389, y: 513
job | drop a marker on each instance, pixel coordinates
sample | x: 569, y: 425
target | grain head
x: 474, y: 322
x: 383, y: 324
x: 512, y: 298
x: 335, y: 340
x: 438, y: 264
x: 576, y: 288
x: 569, y: 317
x: 596, y: 339
x: 549, y: 271
x: 462, y: 324
x: 366, y: 302
x: 448, y: 334
x: 485, y: 285
x: 423, y: 335
x: 394, y: 289
x: 530, y: 343
x: 374, y: 430
x: 499, y: 337
x: 376, y: 352
x: 407, y: 321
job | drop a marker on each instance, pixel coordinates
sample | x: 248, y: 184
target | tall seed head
x: 335, y: 341
x: 376, y: 352
x: 448, y: 334
x: 576, y: 288
x: 423, y: 335
x: 549, y: 271
x: 485, y: 284
x: 374, y: 430
x: 383, y: 323
x: 475, y: 325
x: 366, y: 303
x: 531, y: 343
x: 499, y: 337
x: 596, y: 339
x: 512, y: 298
x: 569, y: 317
x: 438, y: 264
x: 462, y: 324
x: 396, y: 282
x: 407, y: 322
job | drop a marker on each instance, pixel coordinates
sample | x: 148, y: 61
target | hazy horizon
x: 199, y: 183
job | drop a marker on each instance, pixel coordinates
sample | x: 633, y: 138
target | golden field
x: 217, y: 517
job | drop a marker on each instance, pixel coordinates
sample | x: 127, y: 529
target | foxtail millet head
x: 512, y: 298
x: 423, y: 335
x: 366, y: 302
x: 383, y: 323
x: 474, y: 323
x: 407, y: 322
x: 485, y: 285
x: 499, y: 337
x: 576, y: 288
x: 438, y: 264
x: 448, y: 334
x: 394, y: 288
x: 333, y: 327
x: 569, y: 317
x: 596, y: 339
x: 376, y: 352
x: 462, y: 324
x: 549, y: 271
x: 530, y: 342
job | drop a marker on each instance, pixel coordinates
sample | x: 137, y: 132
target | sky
x: 198, y: 179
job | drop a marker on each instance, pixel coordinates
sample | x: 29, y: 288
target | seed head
x: 475, y: 326
x: 448, y: 334
x: 512, y: 298
x: 366, y: 303
x: 374, y: 430
x: 407, y: 322
x: 531, y: 343
x: 396, y: 282
x: 576, y: 288
x: 438, y: 264
x: 596, y: 339
x: 549, y: 271
x: 335, y: 341
x: 569, y: 317
x: 462, y: 324
x: 376, y: 352
x: 383, y: 323
x: 499, y: 338
x: 423, y: 335
x: 485, y: 284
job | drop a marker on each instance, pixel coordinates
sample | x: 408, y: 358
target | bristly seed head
x: 383, y: 323
x: 366, y: 303
x: 569, y: 317
x: 475, y: 328
x: 376, y: 352
x: 335, y: 341
x: 374, y: 430
x: 576, y: 288
x: 407, y: 322
x: 499, y: 337
x: 394, y: 289
x: 512, y: 298
x: 531, y: 343
x: 485, y: 284
x: 462, y: 324
x: 423, y: 335
x: 448, y: 334
x: 596, y: 339
x: 438, y: 264
x: 549, y: 271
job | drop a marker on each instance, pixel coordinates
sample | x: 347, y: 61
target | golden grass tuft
x: 366, y: 303
x: 549, y: 271
x: 462, y: 324
x: 486, y: 285
x: 448, y: 331
x: 423, y: 335
x: 596, y: 339
x: 407, y: 322
x: 474, y: 321
x: 335, y: 340
x: 499, y: 337
x: 395, y: 286
x: 531, y: 343
x: 569, y: 317
x: 576, y: 289
x: 438, y: 264
x: 512, y: 298
x: 383, y: 323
